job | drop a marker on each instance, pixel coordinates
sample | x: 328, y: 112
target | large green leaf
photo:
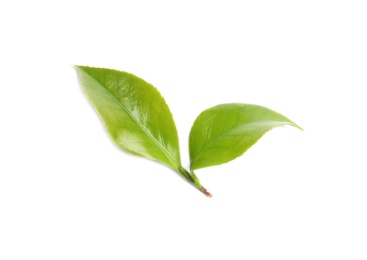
x: 134, y: 112
x: 224, y: 132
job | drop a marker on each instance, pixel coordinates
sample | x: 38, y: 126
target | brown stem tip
x: 206, y: 192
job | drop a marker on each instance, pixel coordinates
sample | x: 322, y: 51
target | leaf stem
x: 193, y: 180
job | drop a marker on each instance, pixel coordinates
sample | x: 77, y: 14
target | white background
x: 66, y: 191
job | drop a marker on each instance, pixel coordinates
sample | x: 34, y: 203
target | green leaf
x: 224, y: 132
x: 135, y: 114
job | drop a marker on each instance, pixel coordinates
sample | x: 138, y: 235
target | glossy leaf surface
x: 224, y: 132
x: 135, y: 114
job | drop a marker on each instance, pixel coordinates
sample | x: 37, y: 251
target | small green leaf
x: 135, y: 114
x: 224, y: 132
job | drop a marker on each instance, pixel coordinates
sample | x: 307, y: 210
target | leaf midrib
x: 221, y: 135
x: 162, y: 148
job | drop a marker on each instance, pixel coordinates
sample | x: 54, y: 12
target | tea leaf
x: 224, y: 132
x: 134, y: 113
